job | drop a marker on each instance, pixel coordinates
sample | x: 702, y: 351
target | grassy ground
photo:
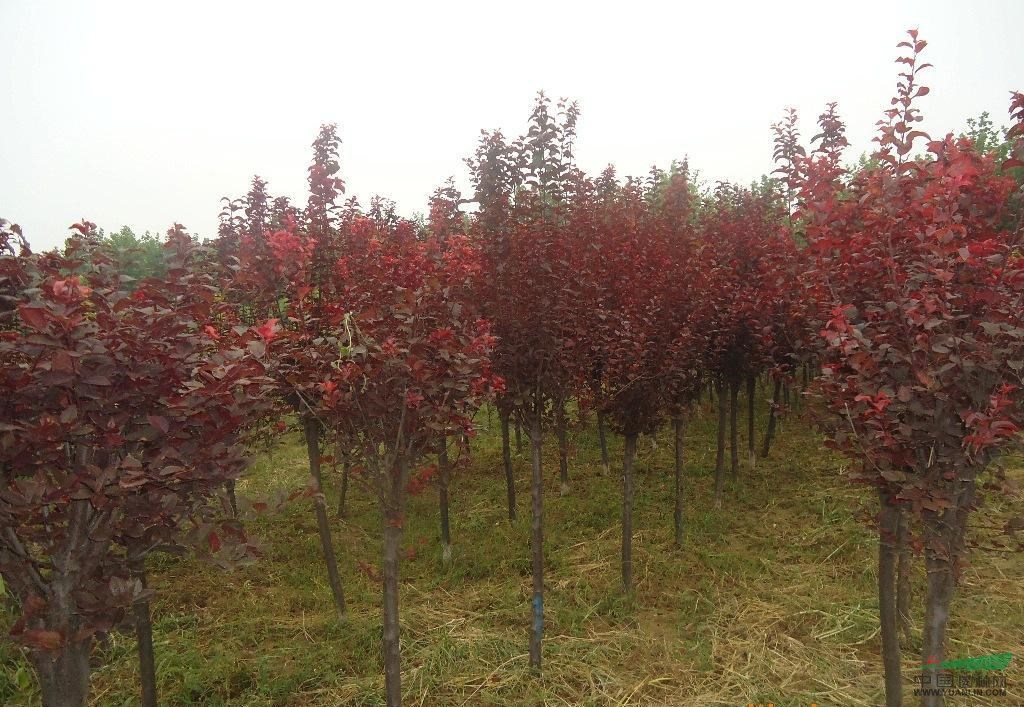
x: 771, y: 599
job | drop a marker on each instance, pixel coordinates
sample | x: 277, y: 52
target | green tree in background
x: 140, y: 254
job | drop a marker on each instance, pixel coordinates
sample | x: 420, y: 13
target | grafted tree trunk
x: 64, y: 676
x: 887, y: 530
x: 751, y: 396
x: 64, y: 673
x: 627, y: 512
x: 312, y: 431
x: 603, y: 439
x: 144, y: 638
x: 443, y: 477
x: 769, y: 434
x: 677, y: 516
x: 394, y: 518
x: 903, y: 569
x: 734, y: 443
x: 506, y: 457
x: 720, y: 455
x: 537, y: 539
x: 563, y: 446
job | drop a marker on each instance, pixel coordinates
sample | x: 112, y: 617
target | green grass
x: 772, y: 597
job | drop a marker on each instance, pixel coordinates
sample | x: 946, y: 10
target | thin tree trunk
x: 720, y: 456
x: 343, y: 492
x: 144, y: 637
x: 937, y: 599
x: 312, y: 431
x: 751, y: 395
x: 393, y: 521
x: 537, y: 540
x: 677, y: 427
x: 519, y: 437
x: 903, y: 569
x: 64, y: 676
x: 769, y: 434
x: 563, y: 447
x: 603, y: 439
x: 734, y: 446
x: 627, y: 512
x: 887, y: 530
x: 506, y: 457
x: 229, y: 486
x: 443, y: 480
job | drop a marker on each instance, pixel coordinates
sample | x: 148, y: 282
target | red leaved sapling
x: 920, y: 275
x: 413, y: 367
x: 122, y: 417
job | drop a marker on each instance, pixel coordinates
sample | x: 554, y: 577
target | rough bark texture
x: 769, y: 434
x: 443, y: 478
x: 627, y: 512
x: 903, y: 569
x: 603, y: 439
x: 734, y: 442
x: 677, y: 516
x: 563, y: 447
x: 312, y: 431
x: 506, y: 458
x: 64, y: 677
x: 887, y: 530
x: 720, y: 455
x: 751, y: 395
x: 394, y: 516
x: 537, y: 541
x: 144, y: 637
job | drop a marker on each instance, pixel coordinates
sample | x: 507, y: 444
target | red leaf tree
x: 920, y: 276
x: 413, y: 368
x: 121, y: 418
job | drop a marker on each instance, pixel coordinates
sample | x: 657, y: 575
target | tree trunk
x: 144, y: 637
x: 734, y: 445
x: 769, y: 434
x: 64, y: 676
x: 312, y: 431
x: 603, y: 439
x: 751, y: 395
x: 537, y: 540
x: 519, y: 437
x: 229, y: 486
x: 677, y: 427
x: 937, y: 599
x: 720, y: 456
x: 506, y: 457
x: 903, y: 569
x: 394, y: 507
x: 343, y: 492
x: 887, y: 530
x: 944, y: 544
x: 563, y: 447
x: 627, y: 512
x: 443, y: 480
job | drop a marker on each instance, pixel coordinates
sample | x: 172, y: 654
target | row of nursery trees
x: 129, y: 404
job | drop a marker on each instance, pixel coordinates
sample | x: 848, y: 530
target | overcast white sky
x: 146, y: 113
